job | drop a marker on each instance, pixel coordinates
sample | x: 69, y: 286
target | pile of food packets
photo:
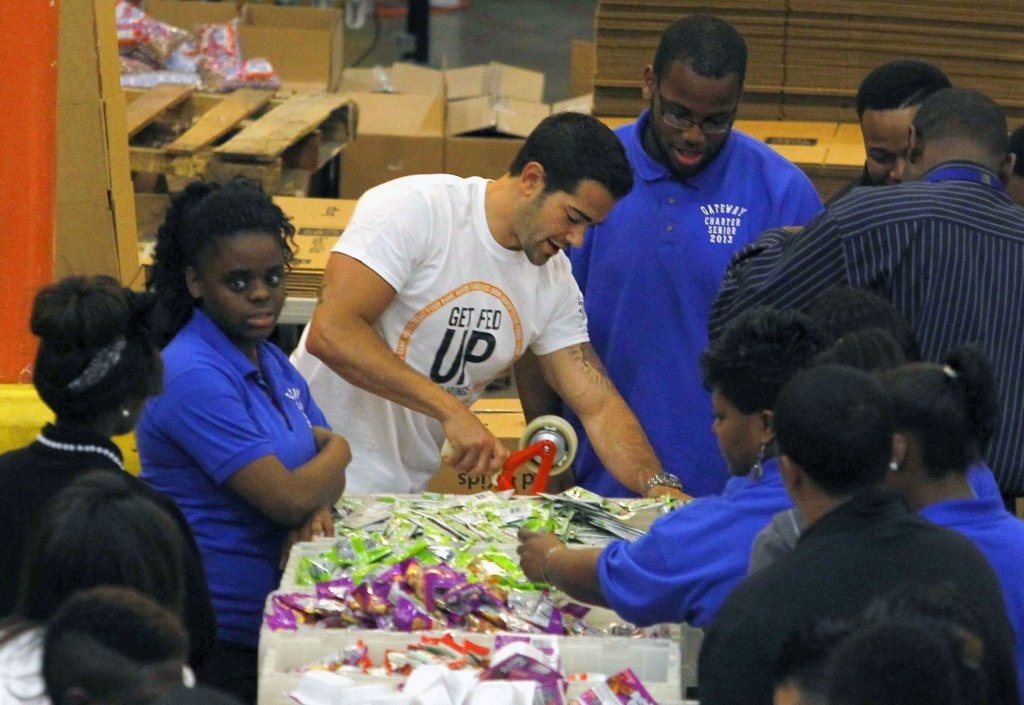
x: 460, y: 530
x: 410, y: 596
x: 210, y: 57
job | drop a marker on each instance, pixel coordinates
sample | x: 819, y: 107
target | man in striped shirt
x: 946, y: 249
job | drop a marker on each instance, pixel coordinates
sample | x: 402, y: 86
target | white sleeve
x: 567, y: 322
x: 389, y: 232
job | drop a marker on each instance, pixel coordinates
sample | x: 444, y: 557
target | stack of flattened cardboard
x: 832, y: 44
x: 807, y: 57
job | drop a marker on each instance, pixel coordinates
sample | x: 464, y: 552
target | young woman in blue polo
x: 235, y: 437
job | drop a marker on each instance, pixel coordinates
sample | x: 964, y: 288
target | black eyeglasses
x: 713, y: 125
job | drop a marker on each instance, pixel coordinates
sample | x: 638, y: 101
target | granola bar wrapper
x: 624, y: 688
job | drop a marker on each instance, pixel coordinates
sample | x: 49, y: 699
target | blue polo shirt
x: 689, y: 561
x: 649, y: 274
x: 1000, y: 536
x: 218, y: 412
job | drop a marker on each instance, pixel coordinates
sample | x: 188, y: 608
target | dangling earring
x: 894, y: 466
x: 757, y: 469
x: 125, y: 413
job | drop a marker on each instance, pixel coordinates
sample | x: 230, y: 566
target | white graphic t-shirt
x: 466, y: 308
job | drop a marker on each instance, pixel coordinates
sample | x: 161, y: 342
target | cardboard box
x: 506, y: 116
x: 399, y: 78
x: 304, y: 44
x: 398, y: 135
x: 93, y: 219
x: 495, y: 80
x: 489, y: 157
x: 799, y: 142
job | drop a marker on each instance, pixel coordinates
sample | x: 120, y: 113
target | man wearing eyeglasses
x: 650, y: 272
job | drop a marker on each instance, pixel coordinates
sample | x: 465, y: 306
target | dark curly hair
x: 757, y: 353
x: 199, y: 217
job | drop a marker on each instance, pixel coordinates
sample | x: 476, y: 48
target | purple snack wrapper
x: 439, y: 579
x: 280, y: 618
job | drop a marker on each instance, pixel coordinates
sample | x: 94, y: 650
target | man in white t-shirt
x: 440, y: 283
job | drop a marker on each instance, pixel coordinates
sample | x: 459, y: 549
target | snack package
x: 521, y: 661
x: 624, y: 688
x: 140, y: 33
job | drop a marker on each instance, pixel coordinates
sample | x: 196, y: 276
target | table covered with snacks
x: 420, y: 599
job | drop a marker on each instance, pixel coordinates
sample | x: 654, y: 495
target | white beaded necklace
x: 80, y: 448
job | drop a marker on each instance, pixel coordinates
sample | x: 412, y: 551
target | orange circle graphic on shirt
x: 433, y: 306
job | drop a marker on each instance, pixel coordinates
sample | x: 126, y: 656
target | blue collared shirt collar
x: 209, y: 333
x: 964, y: 171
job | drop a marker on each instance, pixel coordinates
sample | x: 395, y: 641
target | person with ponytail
x: 94, y: 368
x: 235, y: 437
x: 945, y: 415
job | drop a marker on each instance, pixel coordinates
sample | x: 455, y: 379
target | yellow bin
x: 23, y: 413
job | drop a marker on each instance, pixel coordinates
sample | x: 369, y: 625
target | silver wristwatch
x: 664, y: 479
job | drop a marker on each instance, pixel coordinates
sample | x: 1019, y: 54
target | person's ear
x: 648, y: 82
x: 792, y: 475
x: 1006, y: 170
x: 766, y: 434
x: 899, y: 451
x: 532, y: 179
x: 195, y: 287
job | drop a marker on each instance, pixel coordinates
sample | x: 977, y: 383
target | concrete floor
x: 534, y: 34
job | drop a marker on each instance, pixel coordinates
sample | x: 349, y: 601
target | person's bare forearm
x: 621, y: 444
x: 619, y: 441
x: 574, y: 572
x: 544, y: 558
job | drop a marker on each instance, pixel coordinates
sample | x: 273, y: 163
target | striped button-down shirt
x: 948, y: 251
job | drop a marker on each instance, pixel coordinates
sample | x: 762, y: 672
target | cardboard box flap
x: 510, y: 117
x: 375, y: 80
x: 402, y: 115
x: 189, y: 14
x: 419, y: 80
x: 410, y: 79
x: 318, y: 18
x: 495, y: 80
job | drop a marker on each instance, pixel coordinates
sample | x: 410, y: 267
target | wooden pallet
x: 182, y: 134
